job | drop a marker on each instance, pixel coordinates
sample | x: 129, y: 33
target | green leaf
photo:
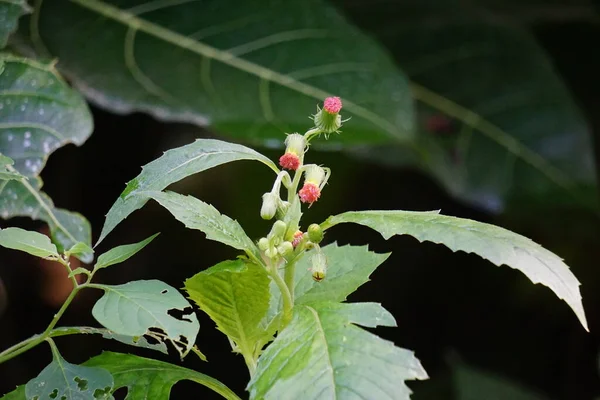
x: 39, y: 113
x: 151, y: 379
x: 498, y: 245
x: 172, y: 166
x: 235, y: 294
x: 62, y: 380
x: 322, y: 354
x: 10, y: 12
x: 348, y: 268
x: 24, y: 199
x: 17, y: 394
x: 79, y: 249
x: 122, y: 253
x: 196, y: 214
x: 30, y: 242
x: 7, y: 172
x: 150, y: 308
x: 497, y: 121
x: 249, y: 70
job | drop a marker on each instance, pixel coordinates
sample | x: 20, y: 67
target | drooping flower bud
x: 297, y: 238
x: 270, y: 204
x: 319, y: 266
x: 315, y: 233
x: 328, y: 119
x: 294, y: 152
x: 314, y: 179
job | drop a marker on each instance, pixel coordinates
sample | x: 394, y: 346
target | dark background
x: 452, y: 309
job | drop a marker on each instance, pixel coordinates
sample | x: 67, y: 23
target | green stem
x: 288, y: 277
x: 288, y: 302
x: 33, y: 341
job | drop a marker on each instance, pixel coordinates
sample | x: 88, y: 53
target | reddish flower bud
x: 332, y: 105
x: 297, y: 238
x: 290, y: 161
x: 309, y: 193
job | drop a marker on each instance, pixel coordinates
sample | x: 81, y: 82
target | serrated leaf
x: 235, y: 294
x: 24, y: 199
x: 172, y: 166
x: 122, y: 253
x: 244, y: 69
x: 30, y: 242
x: 348, y: 268
x: 6, y: 170
x: 496, y: 244
x: 10, y: 12
x: 79, y: 249
x: 145, y: 378
x: 63, y: 380
x: 39, y: 113
x: 196, y: 214
x: 322, y: 354
x: 150, y: 308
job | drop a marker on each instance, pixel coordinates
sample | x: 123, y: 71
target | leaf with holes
x: 148, y: 308
x: 39, y: 113
x: 172, y: 166
x: 145, y: 378
x: 499, y: 125
x: 30, y: 242
x: 235, y: 294
x: 62, y: 380
x: 496, y: 244
x: 122, y: 253
x: 323, y: 354
x: 348, y: 267
x: 244, y: 68
x: 23, y: 198
x: 10, y: 12
x: 196, y: 214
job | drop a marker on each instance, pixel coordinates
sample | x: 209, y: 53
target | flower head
x: 332, y: 105
x: 294, y: 152
x: 297, y: 238
x: 309, y: 193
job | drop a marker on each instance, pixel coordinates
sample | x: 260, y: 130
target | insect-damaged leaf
x: 150, y: 308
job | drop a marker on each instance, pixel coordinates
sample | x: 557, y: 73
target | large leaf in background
x: 322, y: 354
x: 248, y: 69
x: 23, y: 198
x: 196, y: 214
x: 10, y: 12
x: 494, y: 117
x: 38, y: 114
x: 496, y: 244
x: 150, y: 308
x: 172, y: 166
x: 145, y: 378
x: 235, y: 294
x: 63, y: 380
x: 348, y: 267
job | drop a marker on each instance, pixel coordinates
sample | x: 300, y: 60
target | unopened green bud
x: 319, y: 266
x: 278, y: 230
x: 271, y: 252
x: 269, y: 205
x: 263, y: 244
x: 285, y: 249
x: 315, y: 233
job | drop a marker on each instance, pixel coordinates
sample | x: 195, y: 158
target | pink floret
x: 297, y: 238
x: 289, y: 161
x: 332, y: 105
x: 309, y: 193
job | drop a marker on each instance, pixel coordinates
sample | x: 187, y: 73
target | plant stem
x: 33, y: 341
x: 288, y: 277
x: 288, y: 302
